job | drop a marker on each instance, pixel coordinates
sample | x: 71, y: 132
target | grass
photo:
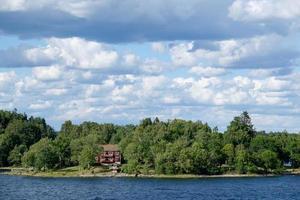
x: 65, y: 172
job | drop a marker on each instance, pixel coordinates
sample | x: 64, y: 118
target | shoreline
x: 90, y: 174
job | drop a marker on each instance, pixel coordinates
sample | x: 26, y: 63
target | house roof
x: 110, y: 147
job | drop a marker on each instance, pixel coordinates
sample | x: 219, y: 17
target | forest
x: 151, y: 147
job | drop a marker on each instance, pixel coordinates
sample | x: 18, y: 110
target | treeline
x: 153, y: 146
x: 179, y: 147
x: 18, y: 133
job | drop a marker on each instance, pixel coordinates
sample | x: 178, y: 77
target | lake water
x: 31, y: 188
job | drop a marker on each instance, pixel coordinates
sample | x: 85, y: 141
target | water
x: 31, y: 188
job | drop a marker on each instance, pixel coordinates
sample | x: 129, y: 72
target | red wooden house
x: 111, y: 155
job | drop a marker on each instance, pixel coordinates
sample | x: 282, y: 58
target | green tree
x: 16, y: 155
x: 62, y: 147
x: 242, y: 158
x: 240, y: 130
x: 200, y: 158
x: 87, y: 156
x: 16, y: 129
x: 77, y: 145
x: 228, y: 150
x: 295, y: 159
x: 41, y: 155
x: 293, y: 147
x: 269, y: 160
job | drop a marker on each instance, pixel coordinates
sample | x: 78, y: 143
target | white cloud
x: 181, y: 54
x: 40, y: 105
x: 122, y: 94
x: 256, y: 52
x: 182, y: 83
x: 150, y: 83
x: 80, y: 8
x: 55, y: 91
x: 207, y: 71
x: 273, y: 84
x: 73, y: 52
x: 132, y: 86
x: 171, y: 100
x: 267, y: 99
x: 77, y: 8
x: 130, y: 59
x: 137, y: 96
x: 51, y: 73
x: 260, y: 73
x: 7, y: 89
x: 243, y: 82
x: 131, y: 20
x: 81, y: 79
x: 88, y: 57
x: 238, y: 90
x: 26, y: 85
x: 255, y: 10
x: 152, y: 66
x: 7, y: 79
x: 12, y: 5
x: 277, y: 122
x: 154, y: 9
x: 203, y: 90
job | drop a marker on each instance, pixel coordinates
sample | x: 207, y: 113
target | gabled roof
x: 110, y: 147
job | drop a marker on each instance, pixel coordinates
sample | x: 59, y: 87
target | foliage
x: 87, y: 156
x: 16, y: 155
x: 240, y: 131
x: 268, y: 160
x: 77, y: 146
x: 41, y: 156
x: 162, y: 147
x: 19, y: 130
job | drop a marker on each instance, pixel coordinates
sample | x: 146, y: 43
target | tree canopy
x: 153, y: 146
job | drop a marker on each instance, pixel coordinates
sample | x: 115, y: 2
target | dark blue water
x: 16, y: 187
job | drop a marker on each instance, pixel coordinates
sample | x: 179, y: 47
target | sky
x: 114, y: 61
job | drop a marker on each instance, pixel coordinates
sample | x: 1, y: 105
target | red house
x: 111, y: 155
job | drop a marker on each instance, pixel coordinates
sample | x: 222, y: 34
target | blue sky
x: 121, y: 61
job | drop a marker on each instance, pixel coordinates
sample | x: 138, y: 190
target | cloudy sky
x: 120, y: 61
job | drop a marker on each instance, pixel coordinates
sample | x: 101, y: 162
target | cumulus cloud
x: 273, y: 84
x: 40, y: 106
x: 133, y: 96
x: 51, y: 73
x: 74, y: 7
x: 255, y: 52
x: 171, y: 100
x: 207, y: 71
x: 55, y: 91
x: 74, y: 52
x: 204, y: 60
x: 238, y: 90
x: 49, y: 60
x: 263, y: 73
x: 123, y: 21
x: 260, y: 10
x: 7, y: 79
x: 7, y: 88
x: 75, y: 84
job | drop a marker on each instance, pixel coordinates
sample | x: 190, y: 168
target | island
x: 153, y: 148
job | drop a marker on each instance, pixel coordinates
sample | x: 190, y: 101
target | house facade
x: 111, y: 155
